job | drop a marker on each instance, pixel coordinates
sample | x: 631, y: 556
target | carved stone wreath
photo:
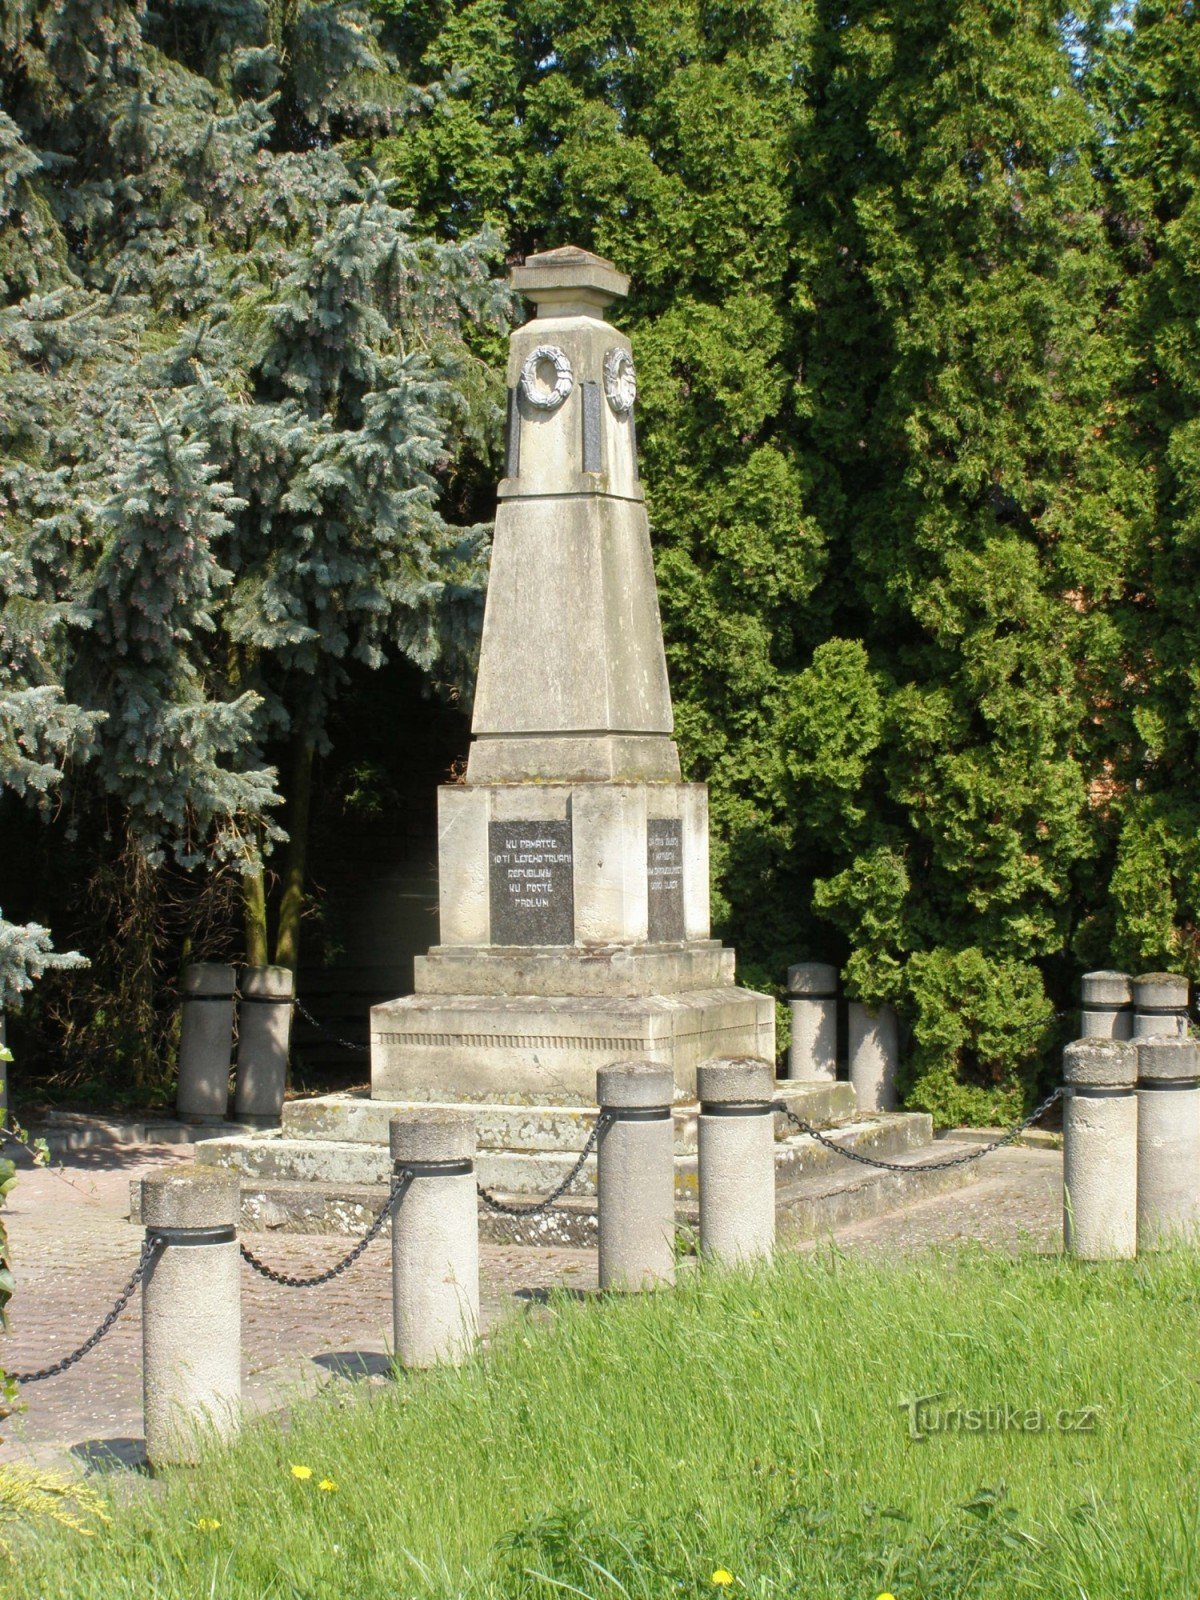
x: 535, y: 377
x: 620, y: 380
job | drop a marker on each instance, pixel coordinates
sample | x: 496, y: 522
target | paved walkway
x: 73, y: 1248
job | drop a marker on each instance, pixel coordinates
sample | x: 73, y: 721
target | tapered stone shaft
x: 435, y: 1239
x: 874, y: 1051
x: 737, y: 1160
x: 191, y: 1314
x: 1100, y: 1154
x: 205, y: 1041
x: 812, y: 997
x: 1107, y: 999
x: 1168, y: 1102
x: 636, y: 1176
x: 264, y: 1033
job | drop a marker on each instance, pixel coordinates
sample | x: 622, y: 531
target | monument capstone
x: 573, y: 861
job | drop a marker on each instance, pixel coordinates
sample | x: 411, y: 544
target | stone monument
x: 573, y: 861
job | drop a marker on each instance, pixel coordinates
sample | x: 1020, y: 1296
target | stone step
x: 807, y: 1207
x: 68, y: 1131
x: 342, y: 1163
x: 356, y: 1118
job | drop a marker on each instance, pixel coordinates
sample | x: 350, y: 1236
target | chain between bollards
x: 333, y: 1038
x: 920, y: 1166
x: 150, y: 1248
x: 539, y: 1206
x: 396, y: 1193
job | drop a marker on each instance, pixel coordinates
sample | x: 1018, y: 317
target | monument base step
x: 541, y: 1049
x: 354, y: 1116
x: 341, y: 1164
x: 807, y: 1207
x: 626, y: 970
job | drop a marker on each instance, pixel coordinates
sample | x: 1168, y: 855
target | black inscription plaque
x: 531, y: 882
x: 664, y: 879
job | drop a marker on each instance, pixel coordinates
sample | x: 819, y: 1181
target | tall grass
x: 753, y: 1424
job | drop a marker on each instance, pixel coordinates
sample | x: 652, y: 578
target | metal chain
x: 539, y: 1206
x: 399, y: 1184
x: 919, y: 1166
x: 150, y: 1248
x: 346, y: 1044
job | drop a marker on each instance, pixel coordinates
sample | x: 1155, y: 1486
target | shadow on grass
x: 355, y: 1364
x: 111, y: 1455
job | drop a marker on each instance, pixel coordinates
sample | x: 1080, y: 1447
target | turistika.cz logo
x: 935, y: 1414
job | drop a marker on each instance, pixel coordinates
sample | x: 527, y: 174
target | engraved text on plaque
x: 664, y: 875
x: 532, y: 887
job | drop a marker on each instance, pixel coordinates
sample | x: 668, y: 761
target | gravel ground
x: 73, y: 1248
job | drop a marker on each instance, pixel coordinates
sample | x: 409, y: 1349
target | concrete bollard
x: 1168, y: 1139
x: 1100, y: 1138
x: 264, y: 1033
x: 435, y: 1239
x: 812, y: 996
x: 737, y: 1159
x: 191, y: 1314
x: 1160, y: 1005
x: 874, y: 1050
x: 205, y: 1042
x: 636, y: 1176
x: 1107, y: 1000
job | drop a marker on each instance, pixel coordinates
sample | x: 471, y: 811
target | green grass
x: 753, y: 1423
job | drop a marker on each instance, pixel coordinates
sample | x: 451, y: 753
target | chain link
x: 346, y: 1044
x: 537, y: 1208
x: 400, y: 1184
x: 150, y: 1248
x: 919, y: 1166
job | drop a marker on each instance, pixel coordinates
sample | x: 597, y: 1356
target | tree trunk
x: 299, y: 806
x: 254, y: 911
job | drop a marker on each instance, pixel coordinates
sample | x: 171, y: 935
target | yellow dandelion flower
x: 328, y: 1485
x: 722, y: 1578
x: 302, y: 1473
x: 206, y: 1524
x: 885, y: 1597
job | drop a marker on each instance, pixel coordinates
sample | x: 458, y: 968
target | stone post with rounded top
x: 874, y: 1055
x: 1100, y: 1137
x: 1168, y: 1141
x: 1160, y: 1005
x: 636, y: 1176
x: 191, y: 1314
x: 435, y: 1239
x: 812, y: 998
x: 264, y: 1034
x: 737, y: 1159
x: 205, y: 1041
x: 1107, y: 1000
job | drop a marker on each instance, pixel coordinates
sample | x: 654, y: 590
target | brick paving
x: 73, y: 1248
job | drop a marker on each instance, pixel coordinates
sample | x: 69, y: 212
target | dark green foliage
x: 871, y: 290
x: 1145, y: 84
x: 233, y: 373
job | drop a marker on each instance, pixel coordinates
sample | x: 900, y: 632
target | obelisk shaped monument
x: 573, y: 862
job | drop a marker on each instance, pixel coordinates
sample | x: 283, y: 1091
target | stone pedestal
x: 1107, y: 1005
x: 636, y: 1177
x: 1100, y: 1139
x: 573, y: 862
x: 191, y: 1315
x: 1160, y: 1005
x: 1168, y: 1141
x: 874, y: 1051
x: 812, y: 996
x: 205, y: 1041
x: 264, y: 1034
